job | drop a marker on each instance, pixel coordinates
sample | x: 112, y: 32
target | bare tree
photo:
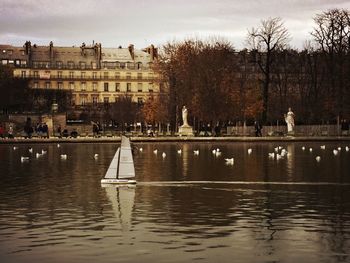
x: 266, y: 39
x: 332, y: 35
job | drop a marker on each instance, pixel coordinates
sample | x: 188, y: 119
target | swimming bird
x: 278, y: 157
x: 96, y: 155
x: 140, y: 149
x: 339, y: 148
x: 218, y: 153
x: 335, y: 152
x: 310, y: 150
x: 323, y: 147
x: 24, y: 158
x: 179, y: 151
x: 15, y: 147
x: 318, y: 158
x: 276, y: 149
x: 214, y: 151
x: 347, y: 148
x: 30, y: 150
x: 272, y: 155
x: 250, y: 151
x: 230, y: 161
x: 163, y: 154
x: 303, y: 148
x: 155, y: 151
x: 43, y: 151
x: 196, y: 152
x: 58, y: 145
x: 64, y: 156
x: 37, y: 155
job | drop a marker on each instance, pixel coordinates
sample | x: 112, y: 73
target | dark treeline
x: 219, y: 84
x: 17, y: 97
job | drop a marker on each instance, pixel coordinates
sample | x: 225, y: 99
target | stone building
x: 93, y: 74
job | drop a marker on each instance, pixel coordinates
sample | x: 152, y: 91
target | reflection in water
x: 122, y: 200
x: 290, y: 160
x: 184, y: 208
x: 185, y: 152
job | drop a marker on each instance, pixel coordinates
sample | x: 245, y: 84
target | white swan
x: 64, y: 156
x: 230, y: 160
x: 250, y: 151
x: 163, y: 154
x: 335, y: 152
x: 179, y: 151
x: 24, y: 158
x: 155, y: 151
x: 318, y: 158
x: 196, y: 152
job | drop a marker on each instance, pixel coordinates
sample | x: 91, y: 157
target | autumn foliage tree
x: 205, y: 76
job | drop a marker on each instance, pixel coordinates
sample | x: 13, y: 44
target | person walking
x: 258, y: 128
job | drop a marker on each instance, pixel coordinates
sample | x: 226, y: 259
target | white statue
x: 289, y: 118
x: 184, y: 116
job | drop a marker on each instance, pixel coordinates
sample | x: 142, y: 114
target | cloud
x: 142, y: 22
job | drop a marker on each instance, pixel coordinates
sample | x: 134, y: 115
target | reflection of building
x: 93, y: 74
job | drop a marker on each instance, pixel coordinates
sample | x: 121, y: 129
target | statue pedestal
x: 186, y: 130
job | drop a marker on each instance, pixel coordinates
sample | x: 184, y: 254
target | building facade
x: 93, y: 74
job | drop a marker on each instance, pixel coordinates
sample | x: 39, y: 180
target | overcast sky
x: 145, y: 22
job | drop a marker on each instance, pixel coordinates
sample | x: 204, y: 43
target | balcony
x: 89, y: 78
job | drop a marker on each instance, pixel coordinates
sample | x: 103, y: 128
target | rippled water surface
x: 184, y: 207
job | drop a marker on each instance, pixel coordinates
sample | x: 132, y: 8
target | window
x: 94, y: 100
x: 4, y: 61
x: 94, y: 75
x: 105, y: 86
x: 23, y: 63
x: 94, y: 86
x: 47, y: 85
x: 83, y: 100
x: 36, y: 74
x: 139, y: 65
x: 105, y: 75
x: 105, y: 100
x: 59, y: 64
x: 117, y: 87
x: 83, y: 74
x: 71, y: 85
x: 128, y: 87
x: 93, y: 65
x: 83, y: 86
x: 59, y: 74
x: 23, y: 74
x: 117, y: 75
x: 70, y: 64
x: 122, y: 65
x: 60, y: 85
x: 128, y: 75
x: 36, y: 85
x: 131, y: 65
x: 139, y: 87
x: 71, y: 74
x: 82, y: 65
x: 139, y: 101
x: 139, y: 75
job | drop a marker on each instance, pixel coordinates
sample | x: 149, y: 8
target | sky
x: 143, y: 22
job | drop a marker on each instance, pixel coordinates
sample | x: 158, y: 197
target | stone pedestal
x: 186, y: 130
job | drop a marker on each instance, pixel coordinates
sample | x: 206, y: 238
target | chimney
x: 51, y: 51
x: 27, y: 46
x: 131, y: 50
x: 153, y: 52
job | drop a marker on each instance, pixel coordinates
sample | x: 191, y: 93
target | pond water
x: 185, y: 207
